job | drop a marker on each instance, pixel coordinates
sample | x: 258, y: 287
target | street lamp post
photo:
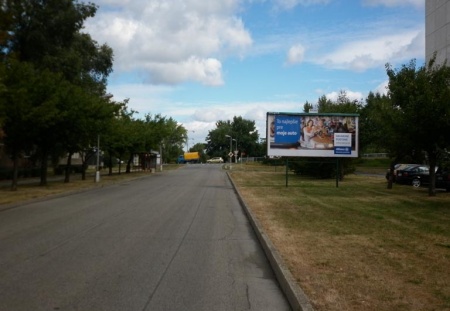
x: 187, y: 140
x: 235, y: 152
x: 231, y: 147
x: 160, y: 157
x: 97, y: 168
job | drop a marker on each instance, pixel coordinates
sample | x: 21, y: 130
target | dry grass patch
x: 359, y: 246
x: 30, y: 189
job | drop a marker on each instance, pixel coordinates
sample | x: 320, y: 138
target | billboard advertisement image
x: 312, y: 135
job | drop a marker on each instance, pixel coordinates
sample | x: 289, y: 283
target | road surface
x: 176, y: 240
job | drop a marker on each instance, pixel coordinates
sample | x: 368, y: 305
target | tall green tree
x: 85, y: 117
x: 371, y: 132
x: 343, y: 104
x: 218, y: 144
x: 307, y: 107
x: 243, y: 132
x: 30, y: 109
x: 48, y: 35
x: 381, y: 128
x: 419, y: 102
x: 173, y: 141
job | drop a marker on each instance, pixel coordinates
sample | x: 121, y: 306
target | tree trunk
x: 15, y: 172
x: 68, y: 169
x: 83, y: 171
x: 391, y: 175
x: 44, y: 167
x: 130, y: 160
x: 110, y: 165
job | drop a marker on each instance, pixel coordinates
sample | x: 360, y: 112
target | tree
x: 173, y: 141
x: 307, y: 107
x: 218, y: 145
x: 242, y: 130
x: 343, y: 104
x: 419, y: 102
x: 371, y: 133
x: 30, y: 109
x: 48, y: 35
x: 85, y: 116
x: 381, y: 127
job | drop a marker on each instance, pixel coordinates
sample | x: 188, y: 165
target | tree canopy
x: 419, y: 111
x: 53, y: 80
x: 242, y: 134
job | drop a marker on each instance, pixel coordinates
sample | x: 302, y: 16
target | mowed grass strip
x: 31, y: 190
x: 359, y: 246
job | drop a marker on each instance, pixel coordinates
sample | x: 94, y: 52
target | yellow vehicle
x: 189, y: 157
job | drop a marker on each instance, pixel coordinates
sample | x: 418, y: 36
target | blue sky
x: 201, y: 61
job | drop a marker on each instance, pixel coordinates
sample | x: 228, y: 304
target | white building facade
x: 437, y: 30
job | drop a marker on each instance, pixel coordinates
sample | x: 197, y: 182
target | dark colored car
x: 443, y: 178
x: 419, y: 175
x: 415, y: 175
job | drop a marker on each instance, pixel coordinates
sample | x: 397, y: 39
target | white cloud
x: 296, y: 54
x: 375, y: 52
x: 382, y: 88
x: 333, y: 96
x: 394, y: 3
x: 171, y: 41
x: 207, y: 71
x: 290, y: 4
x: 209, y: 114
x: 205, y: 119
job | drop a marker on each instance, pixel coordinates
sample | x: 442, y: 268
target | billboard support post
x: 337, y: 172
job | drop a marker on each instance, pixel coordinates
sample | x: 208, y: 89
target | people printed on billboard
x: 312, y: 132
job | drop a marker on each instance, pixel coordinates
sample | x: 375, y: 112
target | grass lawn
x: 28, y: 189
x: 359, y: 246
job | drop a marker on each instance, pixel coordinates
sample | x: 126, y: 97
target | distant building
x: 437, y: 30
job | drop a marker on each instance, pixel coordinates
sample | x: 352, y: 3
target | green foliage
x: 307, y: 107
x: 55, y: 79
x: 418, y: 114
x: 53, y: 90
x: 342, y: 105
x: 241, y: 130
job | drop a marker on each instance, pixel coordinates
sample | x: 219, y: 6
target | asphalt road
x: 175, y: 240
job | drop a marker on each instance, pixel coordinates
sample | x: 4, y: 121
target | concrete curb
x: 294, y: 294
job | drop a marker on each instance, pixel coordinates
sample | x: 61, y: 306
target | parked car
x: 419, y: 175
x: 443, y: 178
x: 215, y: 160
x: 399, y: 166
x: 415, y: 175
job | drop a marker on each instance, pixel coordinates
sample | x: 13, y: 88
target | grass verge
x: 359, y: 246
x: 29, y: 189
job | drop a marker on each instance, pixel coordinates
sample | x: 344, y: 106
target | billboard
x: 312, y: 134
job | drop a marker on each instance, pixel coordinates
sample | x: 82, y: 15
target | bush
x: 321, y: 167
